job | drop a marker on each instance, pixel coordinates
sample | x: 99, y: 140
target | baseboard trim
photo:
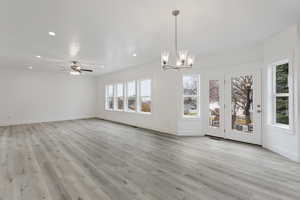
x: 159, y: 131
x: 37, y: 122
x: 189, y: 134
x: 289, y: 155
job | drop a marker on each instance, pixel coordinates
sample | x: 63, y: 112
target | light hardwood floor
x: 99, y: 160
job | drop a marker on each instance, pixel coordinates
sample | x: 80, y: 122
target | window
x: 145, y: 96
x: 191, y: 95
x: 109, y: 97
x: 281, y: 94
x: 131, y: 96
x: 120, y: 97
x: 214, y: 104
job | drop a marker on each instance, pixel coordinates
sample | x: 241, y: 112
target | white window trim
x: 290, y: 95
x: 116, y: 104
x: 125, y: 97
x: 197, y: 96
x: 136, y: 94
x: 140, y: 97
x: 106, y: 97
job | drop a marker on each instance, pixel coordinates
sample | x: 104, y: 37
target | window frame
x: 140, y: 96
x: 220, y: 102
x: 289, y: 95
x: 198, y: 96
x: 116, y: 103
x: 107, y: 97
x: 136, y: 97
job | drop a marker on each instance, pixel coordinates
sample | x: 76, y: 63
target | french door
x: 234, y: 106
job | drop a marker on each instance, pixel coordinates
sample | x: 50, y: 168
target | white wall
x: 28, y: 96
x: 281, y: 46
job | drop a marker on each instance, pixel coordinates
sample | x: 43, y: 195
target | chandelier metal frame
x: 184, y: 60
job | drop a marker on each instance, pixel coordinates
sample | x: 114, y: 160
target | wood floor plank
x: 96, y: 159
x: 73, y: 172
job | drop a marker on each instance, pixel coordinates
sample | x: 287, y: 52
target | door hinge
x: 224, y: 130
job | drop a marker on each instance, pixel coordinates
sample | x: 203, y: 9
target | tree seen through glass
x: 242, y: 103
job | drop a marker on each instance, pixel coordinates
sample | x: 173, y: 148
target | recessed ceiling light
x: 134, y: 55
x: 51, y: 33
x: 38, y: 56
x: 30, y: 67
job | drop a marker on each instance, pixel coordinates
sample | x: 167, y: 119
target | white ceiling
x: 109, y: 32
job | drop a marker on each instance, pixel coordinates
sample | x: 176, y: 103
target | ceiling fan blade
x: 86, y: 70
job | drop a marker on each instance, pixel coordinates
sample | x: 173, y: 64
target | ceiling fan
x: 77, y: 68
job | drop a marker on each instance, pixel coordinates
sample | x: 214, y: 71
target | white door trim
x: 225, y: 130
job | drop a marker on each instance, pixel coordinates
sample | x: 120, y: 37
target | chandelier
x: 182, y: 59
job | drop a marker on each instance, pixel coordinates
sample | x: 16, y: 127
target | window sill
x: 191, y: 117
x: 127, y: 111
x: 110, y: 110
x: 145, y: 113
x: 133, y: 112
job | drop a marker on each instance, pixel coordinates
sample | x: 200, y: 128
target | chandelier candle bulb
x: 190, y: 60
x: 165, y: 58
x: 182, y: 56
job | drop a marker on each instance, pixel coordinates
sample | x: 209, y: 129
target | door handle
x: 258, y: 111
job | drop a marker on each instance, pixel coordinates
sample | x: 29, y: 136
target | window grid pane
x: 282, y: 72
x: 110, y: 91
x: 214, y: 103
x: 120, y: 97
x: 109, y: 97
x: 146, y: 104
x: 191, y: 96
x: 145, y: 96
x: 282, y: 110
x: 131, y: 96
x: 190, y: 106
x: 120, y: 103
x: 110, y: 103
x: 131, y: 88
x: 120, y: 90
x: 190, y: 85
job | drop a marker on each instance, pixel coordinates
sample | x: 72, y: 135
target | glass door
x: 243, y: 107
x: 234, y: 106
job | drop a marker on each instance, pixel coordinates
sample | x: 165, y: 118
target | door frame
x: 225, y: 130
x: 256, y: 136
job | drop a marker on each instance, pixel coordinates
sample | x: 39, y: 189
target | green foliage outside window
x: 282, y: 88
